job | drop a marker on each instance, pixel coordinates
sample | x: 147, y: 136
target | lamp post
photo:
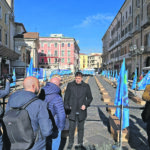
x: 134, y: 51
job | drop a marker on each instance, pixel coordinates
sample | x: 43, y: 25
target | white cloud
x: 99, y: 18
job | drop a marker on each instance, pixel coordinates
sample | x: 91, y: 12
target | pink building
x: 58, y: 52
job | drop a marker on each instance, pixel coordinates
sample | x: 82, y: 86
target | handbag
x: 146, y: 94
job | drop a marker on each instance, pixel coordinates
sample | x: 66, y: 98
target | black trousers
x: 148, y: 131
x: 80, y: 127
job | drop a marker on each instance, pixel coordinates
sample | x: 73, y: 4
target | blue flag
x: 122, y: 95
x: 14, y: 79
x: 45, y: 76
x: 116, y: 75
x: 146, y: 80
x: 30, y: 68
x: 134, y: 81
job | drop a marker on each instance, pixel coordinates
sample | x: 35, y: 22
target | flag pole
x: 121, y: 118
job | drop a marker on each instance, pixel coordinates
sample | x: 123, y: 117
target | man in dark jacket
x: 41, y: 124
x: 77, y: 98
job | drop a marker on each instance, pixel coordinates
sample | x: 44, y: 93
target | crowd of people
x: 47, y: 112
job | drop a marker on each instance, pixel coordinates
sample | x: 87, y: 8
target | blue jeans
x: 56, y: 142
x: 1, y: 142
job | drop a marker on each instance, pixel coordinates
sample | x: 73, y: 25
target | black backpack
x: 18, y: 126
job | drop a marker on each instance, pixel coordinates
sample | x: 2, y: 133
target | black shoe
x: 80, y: 147
x: 69, y: 147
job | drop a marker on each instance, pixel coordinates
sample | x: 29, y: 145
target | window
x: 6, y: 19
x: 68, y: 44
x: 123, y: 19
x: 62, y: 53
x: 62, y: 44
x: 41, y: 44
x: 62, y: 60
x: 130, y: 10
x: 147, y: 40
x: 130, y: 27
x: 0, y: 12
x: 68, y: 60
x: 122, y: 33
x: 148, y: 9
x: 118, y: 24
x: 137, y: 20
x: 137, y: 43
x: 49, y: 60
x: 6, y: 42
x: 49, y: 52
x: 42, y: 60
x: 55, y: 53
x: 68, y: 53
x: 126, y: 14
x: 55, y: 44
x: 48, y: 44
x: 0, y: 35
x: 55, y: 60
x: 126, y: 30
x: 138, y: 3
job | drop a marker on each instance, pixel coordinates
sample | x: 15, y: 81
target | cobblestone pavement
x: 97, y: 124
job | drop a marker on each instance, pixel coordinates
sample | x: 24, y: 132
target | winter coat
x: 73, y: 100
x: 55, y: 104
x: 38, y: 114
x: 6, y: 91
x: 146, y: 112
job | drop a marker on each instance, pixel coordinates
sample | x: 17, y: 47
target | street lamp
x: 134, y: 51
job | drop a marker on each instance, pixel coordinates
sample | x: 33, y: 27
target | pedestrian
x: 56, y: 106
x: 3, y: 93
x: 77, y: 98
x: 146, y: 112
x: 37, y: 110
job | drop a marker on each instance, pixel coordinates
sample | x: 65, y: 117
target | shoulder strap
x: 26, y: 104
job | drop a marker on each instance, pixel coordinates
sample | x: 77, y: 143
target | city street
x: 97, y: 123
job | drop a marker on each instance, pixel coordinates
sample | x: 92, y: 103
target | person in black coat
x: 77, y: 98
x: 146, y: 119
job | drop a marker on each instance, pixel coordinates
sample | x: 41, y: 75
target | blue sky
x: 85, y: 20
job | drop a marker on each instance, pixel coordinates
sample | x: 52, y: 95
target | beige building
x: 83, y: 60
x: 94, y: 61
x: 27, y: 45
x: 128, y: 37
x: 7, y: 31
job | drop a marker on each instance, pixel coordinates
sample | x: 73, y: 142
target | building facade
x: 7, y: 31
x: 129, y: 30
x: 95, y: 61
x: 26, y: 45
x: 83, y: 61
x: 58, y: 52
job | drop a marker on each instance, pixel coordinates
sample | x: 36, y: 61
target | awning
x: 8, y: 53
